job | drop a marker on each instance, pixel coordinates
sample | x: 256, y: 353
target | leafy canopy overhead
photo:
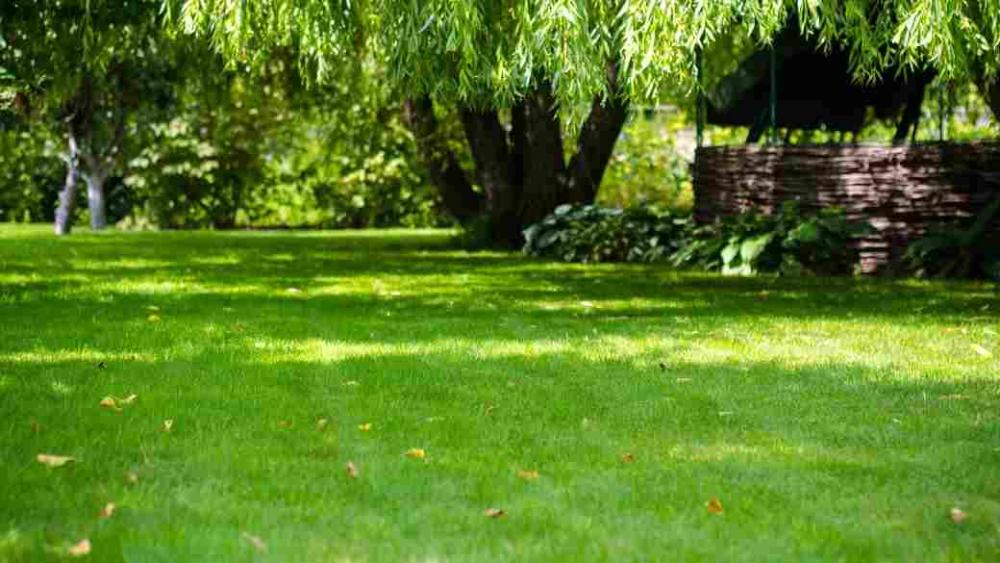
x: 489, y: 52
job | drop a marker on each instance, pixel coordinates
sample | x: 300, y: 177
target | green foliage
x: 30, y: 174
x: 648, y: 167
x: 490, y: 52
x: 956, y: 251
x: 590, y: 233
x: 786, y: 242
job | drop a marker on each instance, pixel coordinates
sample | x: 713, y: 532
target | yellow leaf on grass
x: 352, y: 470
x: 79, y: 549
x: 983, y: 352
x: 627, y: 458
x: 107, y: 511
x: 255, y: 541
x: 168, y: 424
x: 957, y: 515
x: 153, y: 318
x: 110, y: 403
x: 321, y: 424
x: 54, y: 460
x: 494, y: 513
x: 131, y: 477
x: 527, y: 474
x: 415, y: 453
x: 365, y: 427
x: 715, y: 506
x: 116, y: 403
x: 285, y: 423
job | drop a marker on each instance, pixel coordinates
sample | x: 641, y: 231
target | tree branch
x: 446, y: 174
x: 596, y: 141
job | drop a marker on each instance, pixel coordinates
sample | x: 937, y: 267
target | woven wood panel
x: 898, y: 191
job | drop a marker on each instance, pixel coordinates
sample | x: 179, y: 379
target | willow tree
x: 84, y: 64
x: 520, y: 75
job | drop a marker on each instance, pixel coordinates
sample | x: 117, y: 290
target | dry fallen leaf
x: 322, y: 423
x: 110, y: 403
x: 714, y: 506
x: 627, y: 458
x: 352, y: 470
x: 527, y: 474
x: 116, y: 403
x: 131, y: 477
x: 494, y: 513
x: 54, y: 460
x: 79, y: 549
x: 365, y: 427
x: 35, y: 427
x: 255, y: 541
x: 107, y: 511
x: 683, y: 380
x: 488, y: 408
x: 957, y: 515
x: 153, y: 318
x: 168, y: 424
x: 285, y: 423
x: 415, y: 453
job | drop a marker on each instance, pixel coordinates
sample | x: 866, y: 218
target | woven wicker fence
x: 898, y: 191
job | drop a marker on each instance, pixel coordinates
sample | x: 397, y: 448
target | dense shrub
x: 786, y: 242
x: 31, y: 174
x: 589, y: 233
x: 960, y: 251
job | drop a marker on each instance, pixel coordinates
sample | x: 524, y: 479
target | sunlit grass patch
x: 832, y: 419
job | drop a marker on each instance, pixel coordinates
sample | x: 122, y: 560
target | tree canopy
x: 483, y: 51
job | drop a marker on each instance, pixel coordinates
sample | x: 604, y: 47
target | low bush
x: 786, y: 242
x: 590, y: 233
x: 957, y: 251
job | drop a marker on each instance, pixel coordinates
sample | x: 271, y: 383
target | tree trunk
x: 594, y: 147
x: 544, y: 185
x: 990, y: 90
x: 456, y: 192
x: 95, y: 198
x: 488, y: 145
x: 67, y: 197
x: 522, y: 171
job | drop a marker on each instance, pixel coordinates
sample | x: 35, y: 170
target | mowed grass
x: 834, y: 419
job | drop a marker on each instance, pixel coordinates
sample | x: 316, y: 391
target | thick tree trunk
x: 488, y: 145
x: 67, y: 197
x: 522, y: 170
x: 544, y: 186
x: 456, y: 192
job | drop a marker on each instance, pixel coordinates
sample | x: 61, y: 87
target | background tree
x: 85, y: 64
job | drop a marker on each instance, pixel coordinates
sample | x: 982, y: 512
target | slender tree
x: 85, y: 64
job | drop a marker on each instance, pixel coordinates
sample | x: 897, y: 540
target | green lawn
x: 836, y: 420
